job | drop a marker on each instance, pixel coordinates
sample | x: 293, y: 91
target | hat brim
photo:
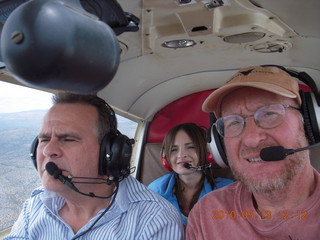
x: 213, y: 101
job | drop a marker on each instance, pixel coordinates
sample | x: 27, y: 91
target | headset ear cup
x: 307, y: 118
x: 165, y: 163
x: 33, y: 151
x: 121, y: 150
x: 310, y: 104
x: 115, y: 156
x: 103, y: 157
x: 313, y: 109
x: 216, y: 147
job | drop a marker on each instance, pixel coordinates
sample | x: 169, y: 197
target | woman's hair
x: 197, y: 135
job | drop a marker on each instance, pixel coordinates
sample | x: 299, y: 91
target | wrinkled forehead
x: 73, y: 110
x: 73, y: 114
x: 251, y: 99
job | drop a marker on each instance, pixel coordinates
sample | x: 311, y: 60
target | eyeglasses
x: 266, y: 117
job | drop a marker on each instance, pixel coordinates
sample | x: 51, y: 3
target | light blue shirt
x: 137, y: 213
x: 165, y: 184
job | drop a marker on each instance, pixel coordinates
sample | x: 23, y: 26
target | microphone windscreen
x: 275, y: 153
x: 187, y: 165
x: 53, y: 170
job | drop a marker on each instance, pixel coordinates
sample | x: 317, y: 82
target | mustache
x: 254, y: 150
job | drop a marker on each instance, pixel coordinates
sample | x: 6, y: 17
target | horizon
x: 15, y: 99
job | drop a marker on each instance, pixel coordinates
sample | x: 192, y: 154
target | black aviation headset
x: 115, y: 152
x: 309, y: 108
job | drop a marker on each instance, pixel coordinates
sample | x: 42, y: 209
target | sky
x: 15, y: 98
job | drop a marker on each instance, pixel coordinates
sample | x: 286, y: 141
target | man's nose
x: 252, y: 134
x: 52, y: 149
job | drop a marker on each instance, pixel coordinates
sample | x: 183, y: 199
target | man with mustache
x: 257, y: 108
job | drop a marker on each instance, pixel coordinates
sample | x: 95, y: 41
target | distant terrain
x: 18, y: 177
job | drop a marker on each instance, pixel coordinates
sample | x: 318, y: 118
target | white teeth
x: 255, y: 160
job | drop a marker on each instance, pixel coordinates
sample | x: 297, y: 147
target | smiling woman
x: 184, y: 186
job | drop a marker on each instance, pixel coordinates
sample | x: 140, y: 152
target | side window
x: 21, y: 113
x: 127, y: 126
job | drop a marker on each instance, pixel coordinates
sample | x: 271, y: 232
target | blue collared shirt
x: 165, y: 184
x: 137, y: 213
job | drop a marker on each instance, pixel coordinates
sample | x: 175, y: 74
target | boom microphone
x: 277, y: 153
x: 54, y: 171
x: 197, y: 168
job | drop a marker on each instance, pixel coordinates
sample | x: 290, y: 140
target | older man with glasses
x: 257, y: 108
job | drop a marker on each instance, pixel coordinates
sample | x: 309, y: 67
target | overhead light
x: 244, y: 37
x: 182, y: 43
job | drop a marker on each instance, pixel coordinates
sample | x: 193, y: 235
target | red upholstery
x: 185, y: 109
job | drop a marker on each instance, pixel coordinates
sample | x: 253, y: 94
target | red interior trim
x: 185, y: 109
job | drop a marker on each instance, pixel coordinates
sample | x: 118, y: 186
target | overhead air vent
x: 270, y: 47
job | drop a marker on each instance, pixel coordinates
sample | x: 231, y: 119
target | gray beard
x: 293, y: 165
x: 271, y: 185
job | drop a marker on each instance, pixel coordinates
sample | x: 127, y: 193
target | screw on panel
x: 17, y: 37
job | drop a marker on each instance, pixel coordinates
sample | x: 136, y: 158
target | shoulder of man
x: 150, y: 204
x: 219, y: 196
